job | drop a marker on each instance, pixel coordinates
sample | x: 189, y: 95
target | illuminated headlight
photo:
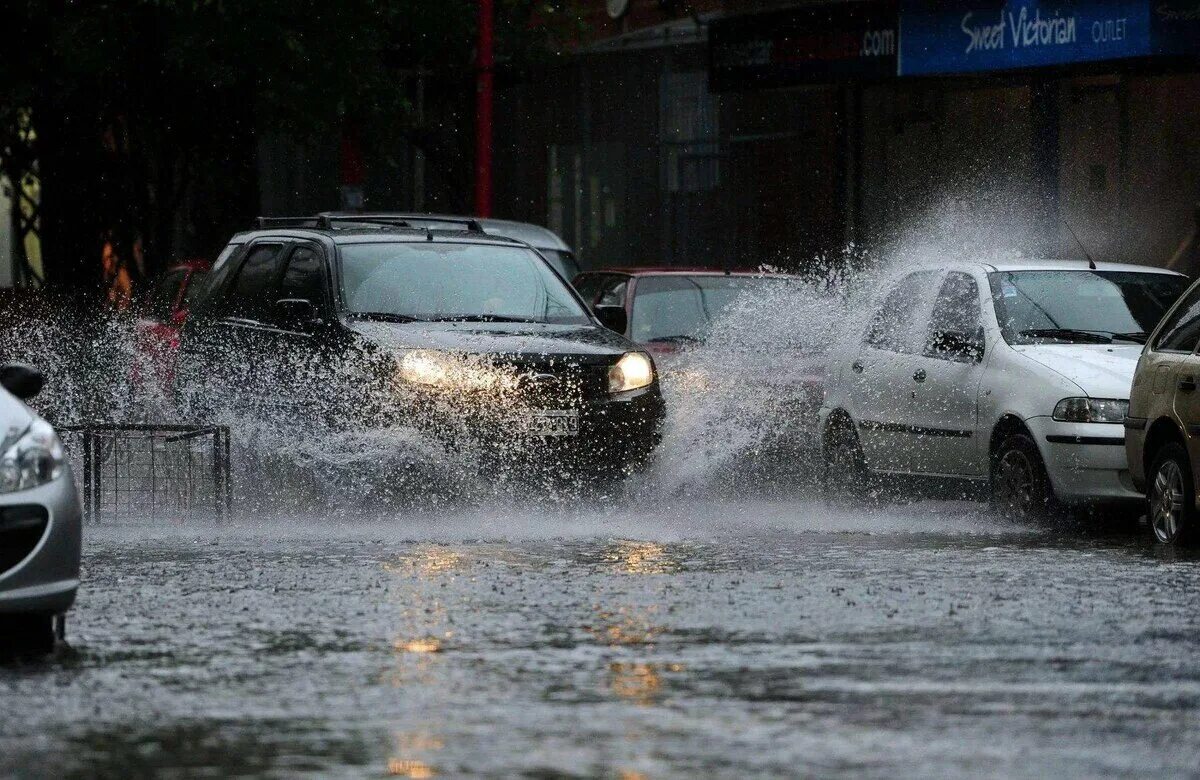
x: 1091, y: 410
x: 35, y: 459
x: 423, y: 367
x: 634, y: 370
x: 455, y: 371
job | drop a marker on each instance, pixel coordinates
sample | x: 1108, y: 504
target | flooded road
x: 776, y: 638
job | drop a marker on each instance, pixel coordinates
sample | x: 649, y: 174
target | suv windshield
x: 434, y: 281
x: 1096, y: 307
x: 676, y: 307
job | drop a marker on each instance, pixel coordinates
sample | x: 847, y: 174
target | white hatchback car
x: 1012, y: 374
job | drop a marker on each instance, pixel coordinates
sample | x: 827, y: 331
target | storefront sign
x: 803, y: 45
x: 937, y: 38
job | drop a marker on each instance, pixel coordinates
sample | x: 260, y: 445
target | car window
x: 303, y: 278
x: 165, y: 294
x: 588, y: 286
x: 195, y: 286
x: 1081, y: 306
x: 449, y: 281
x: 679, y: 307
x: 563, y: 262
x: 896, y: 326
x: 612, y: 291
x: 956, y: 310
x: 254, y: 282
x: 1181, y: 332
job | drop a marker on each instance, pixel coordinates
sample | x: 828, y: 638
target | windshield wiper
x: 1137, y: 337
x: 384, y: 316
x: 478, y: 318
x: 681, y: 339
x: 1069, y: 334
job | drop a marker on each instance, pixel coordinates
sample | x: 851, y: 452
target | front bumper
x: 46, y: 579
x: 614, y: 431
x: 1086, y: 461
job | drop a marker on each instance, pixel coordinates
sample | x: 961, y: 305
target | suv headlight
x: 634, y: 370
x: 35, y: 459
x: 1091, y: 410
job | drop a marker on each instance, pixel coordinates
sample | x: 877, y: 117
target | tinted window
x: 895, y: 324
x: 956, y: 310
x: 1035, y: 307
x: 304, y: 278
x: 165, y: 294
x: 204, y: 294
x: 588, y: 285
x: 433, y: 281
x: 195, y: 287
x: 1182, y: 332
x: 254, y: 283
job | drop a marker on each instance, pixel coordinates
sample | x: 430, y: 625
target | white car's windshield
x: 450, y: 281
x: 1100, y: 307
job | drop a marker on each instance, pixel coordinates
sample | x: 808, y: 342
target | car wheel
x: 1171, y: 496
x: 846, y: 475
x: 1020, y: 485
x: 26, y: 635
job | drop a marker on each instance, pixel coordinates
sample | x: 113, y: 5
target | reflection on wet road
x: 729, y: 639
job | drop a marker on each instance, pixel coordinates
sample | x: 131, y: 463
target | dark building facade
x: 773, y: 132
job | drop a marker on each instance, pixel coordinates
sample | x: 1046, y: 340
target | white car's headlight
x: 34, y: 459
x: 634, y: 370
x: 1091, y: 410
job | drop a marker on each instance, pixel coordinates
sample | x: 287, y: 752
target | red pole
x: 483, y: 111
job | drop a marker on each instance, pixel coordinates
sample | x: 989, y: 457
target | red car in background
x: 668, y: 310
x: 156, y: 332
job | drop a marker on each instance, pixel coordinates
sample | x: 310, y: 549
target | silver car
x: 40, y: 520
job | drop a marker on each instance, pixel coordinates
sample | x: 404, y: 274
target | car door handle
x: 1187, y: 384
x: 857, y: 367
x: 920, y: 375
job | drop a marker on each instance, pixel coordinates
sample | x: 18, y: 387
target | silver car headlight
x: 34, y: 459
x: 1091, y: 410
x: 633, y: 371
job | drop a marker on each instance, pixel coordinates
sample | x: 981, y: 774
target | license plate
x: 554, y: 423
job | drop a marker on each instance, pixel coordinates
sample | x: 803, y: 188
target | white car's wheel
x: 846, y: 475
x: 1020, y: 485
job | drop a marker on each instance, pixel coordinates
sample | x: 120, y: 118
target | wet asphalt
x: 701, y: 638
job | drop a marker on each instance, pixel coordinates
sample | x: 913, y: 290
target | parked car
x: 156, y: 332
x: 40, y: 521
x: 1016, y: 375
x: 1164, y: 422
x: 454, y: 332
x: 545, y: 241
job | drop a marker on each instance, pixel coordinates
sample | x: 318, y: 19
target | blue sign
x: 936, y: 38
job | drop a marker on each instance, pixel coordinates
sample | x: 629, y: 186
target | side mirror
x: 296, y: 312
x: 958, y: 346
x: 21, y: 380
x: 612, y: 317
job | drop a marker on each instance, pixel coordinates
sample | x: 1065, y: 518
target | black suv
x: 470, y: 340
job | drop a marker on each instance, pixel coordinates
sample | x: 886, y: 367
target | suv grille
x: 21, y: 528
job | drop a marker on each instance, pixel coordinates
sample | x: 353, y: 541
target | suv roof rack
x: 470, y: 224
x: 326, y: 221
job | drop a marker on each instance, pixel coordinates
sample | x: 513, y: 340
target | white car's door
x: 879, y: 376
x: 945, y: 387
